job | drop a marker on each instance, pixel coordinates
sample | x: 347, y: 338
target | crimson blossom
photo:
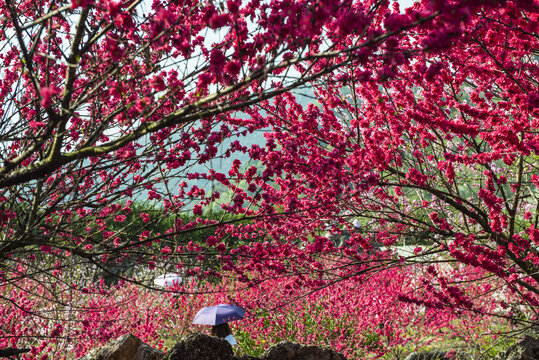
x: 109, y: 103
x: 422, y: 125
x: 432, y: 142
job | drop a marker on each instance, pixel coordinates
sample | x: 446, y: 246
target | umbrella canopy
x: 218, y: 314
x: 168, y: 280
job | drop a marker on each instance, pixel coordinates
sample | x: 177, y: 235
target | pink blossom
x: 211, y: 241
x: 232, y: 67
x: 157, y: 83
x: 233, y: 6
x: 80, y: 3
x: 395, y: 22
x: 217, y: 60
x: 46, y: 93
x: 145, y: 217
x: 218, y: 21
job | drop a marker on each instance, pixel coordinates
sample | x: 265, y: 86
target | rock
x: 246, y: 357
x: 146, y: 352
x: 437, y: 354
x: 126, y: 347
x: 91, y: 355
x: 292, y: 351
x: 526, y: 349
x: 9, y: 352
x: 427, y: 355
x: 282, y: 351
x: 198, y: 346
x: 122, y: 348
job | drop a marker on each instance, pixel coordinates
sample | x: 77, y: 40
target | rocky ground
x: 197, y: 346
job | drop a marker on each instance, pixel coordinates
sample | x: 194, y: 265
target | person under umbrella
x: 224, y: 332
x: 218, y: 316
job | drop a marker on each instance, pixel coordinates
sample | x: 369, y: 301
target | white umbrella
x: 168, y: 280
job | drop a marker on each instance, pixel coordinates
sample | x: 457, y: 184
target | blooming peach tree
x: 110, y: 102
x: 434, y: 147
x: 421, y: 127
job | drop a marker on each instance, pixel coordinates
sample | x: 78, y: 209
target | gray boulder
x: 292, y: 351
x: 427, y: 355
x: 437, y: 354
x: 146, y: 352
x: 246, y: 357
x: 198, y: 346
x: 126, y: 347
x: 526, y: 349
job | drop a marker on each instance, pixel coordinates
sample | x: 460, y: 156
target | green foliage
x: 248, y: 344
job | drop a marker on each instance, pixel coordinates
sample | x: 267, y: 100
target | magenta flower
x: 47, y: 93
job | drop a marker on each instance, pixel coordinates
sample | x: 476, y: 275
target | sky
x: 406, y: 3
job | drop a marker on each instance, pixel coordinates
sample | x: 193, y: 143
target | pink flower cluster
x: 358, y: 316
